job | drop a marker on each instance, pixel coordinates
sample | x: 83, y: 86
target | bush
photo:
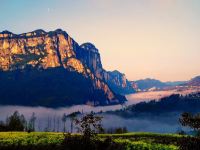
x: 118, y: 130
x: 189, y: 143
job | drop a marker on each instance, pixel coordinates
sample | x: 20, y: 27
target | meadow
x: 52, y: 140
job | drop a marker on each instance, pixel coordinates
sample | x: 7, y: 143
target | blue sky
x: 142, y: 38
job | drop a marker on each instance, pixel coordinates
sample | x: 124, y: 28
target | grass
x: 34, y: 138
x: 130, y: 141
x: 142, y: 145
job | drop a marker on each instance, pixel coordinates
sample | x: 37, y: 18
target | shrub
x: 190, y: 143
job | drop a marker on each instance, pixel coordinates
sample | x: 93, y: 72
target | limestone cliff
x: 44, y: 51
x: 117, y: 81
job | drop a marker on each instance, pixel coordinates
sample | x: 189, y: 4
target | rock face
x: 42, y: 57
x: 117, y: 81
x: 90, y: 56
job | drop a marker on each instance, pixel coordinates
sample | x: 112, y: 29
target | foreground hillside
x: 136, y: 141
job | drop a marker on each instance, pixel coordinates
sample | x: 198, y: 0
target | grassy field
x: 135, y: 141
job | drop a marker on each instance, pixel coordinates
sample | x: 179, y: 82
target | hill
x: 171, y: 104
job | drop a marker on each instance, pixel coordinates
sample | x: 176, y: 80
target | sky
x: 142, y: 38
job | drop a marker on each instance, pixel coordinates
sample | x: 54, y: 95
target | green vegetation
x: 190, y: 120
x: 129, y: 141
x: 33, y: 138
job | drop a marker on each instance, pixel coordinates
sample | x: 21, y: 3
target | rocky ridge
x: 116, y: 80
x: 42, y: 50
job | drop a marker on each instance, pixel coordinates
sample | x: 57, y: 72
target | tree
x: 89, y: 125
x: 58, y: 124
x: 3, y: 126
x: 64, y: 119
x: 121, y: 130
x: 16, y: 122
x: 117, y: 130
x: 190, y: 120
x: 72, y: 118
x: 31, y: 124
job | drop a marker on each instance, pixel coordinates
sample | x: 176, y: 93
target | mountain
x: 119, y: 83
x: 153, y: 84
x: 116, y: 80
x: 51, y: 69
x: 193, y: 82
x: 175, y: 83
x: 148, y: 83
x: 172, y: 104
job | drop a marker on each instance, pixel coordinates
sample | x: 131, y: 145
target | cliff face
x: 117, y: 81
x: 38, y: 49
x: 43, y: 51
x: 90, y: 56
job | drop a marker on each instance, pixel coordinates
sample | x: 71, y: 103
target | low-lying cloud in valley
x: 50, y: 119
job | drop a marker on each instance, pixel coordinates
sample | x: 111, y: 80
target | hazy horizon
x: 141, y: 38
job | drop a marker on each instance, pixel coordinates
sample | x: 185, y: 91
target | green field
x: 129, y: 141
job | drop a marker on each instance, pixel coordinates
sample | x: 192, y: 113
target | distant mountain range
x: 149, y: 84
x: 193, y: 82
x: 51, y: 69
x: 153, y: 84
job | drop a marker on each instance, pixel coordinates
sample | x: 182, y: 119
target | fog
x: 50, y: 119
x: 159, y: 124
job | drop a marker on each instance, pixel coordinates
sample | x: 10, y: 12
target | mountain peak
x: 115, y: 79
x: 196, y: 78
x: 59, y: 30
x: 90, y: 47
x: 39, y: 31
x: 194, y: 81
x: 6, y: 32
x: 116, y: 71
